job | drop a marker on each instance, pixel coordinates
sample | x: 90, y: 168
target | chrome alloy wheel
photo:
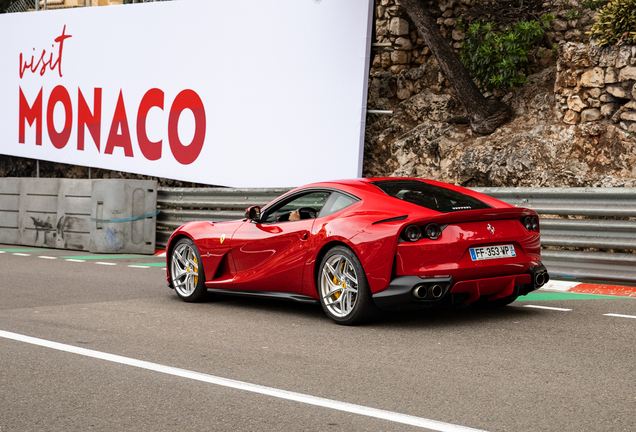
x: 184, y: 268
x: 339, y: 285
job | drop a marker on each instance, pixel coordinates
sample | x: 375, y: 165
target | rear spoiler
x: 490, y: 214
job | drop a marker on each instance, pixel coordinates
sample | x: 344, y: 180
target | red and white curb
x: 588, y: 288
x: 160, y: 253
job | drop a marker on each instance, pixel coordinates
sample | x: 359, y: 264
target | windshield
x: 432, y: 197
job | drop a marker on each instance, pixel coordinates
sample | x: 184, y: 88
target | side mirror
x: 253, y: 213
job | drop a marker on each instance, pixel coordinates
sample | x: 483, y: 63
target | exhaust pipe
x: 423, y: 292
x: 436, y: 291
x: 420, y: 292
x: 539, y: 276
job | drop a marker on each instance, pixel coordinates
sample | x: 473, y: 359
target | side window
x: 307, y: 206
x: 337, y: 202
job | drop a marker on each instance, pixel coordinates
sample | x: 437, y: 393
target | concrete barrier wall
x: 61, y: 213
x: 123, y: 216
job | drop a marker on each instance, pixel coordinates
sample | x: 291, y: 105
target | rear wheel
x: 485, y: 303
x: 502, y: 301
x: 186, y: 271
x: 343, y: 287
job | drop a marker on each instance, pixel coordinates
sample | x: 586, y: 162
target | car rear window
x: 432, y: 197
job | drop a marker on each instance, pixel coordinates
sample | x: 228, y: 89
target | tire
x: 502, y: 301
x: 495, y: 303
x: 343, y: 287
x: 186, y: 271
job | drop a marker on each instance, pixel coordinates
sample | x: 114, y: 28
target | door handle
x: 304, y: 236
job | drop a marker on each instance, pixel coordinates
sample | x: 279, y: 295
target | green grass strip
x: 549, y: 296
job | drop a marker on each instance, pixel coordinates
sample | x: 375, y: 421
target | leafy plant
x: 572, y: 14
x: 592, y: 4
x: 498, y: 59
x: 616, y: 23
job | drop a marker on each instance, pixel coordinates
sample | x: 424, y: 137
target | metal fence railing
x: 33, y: 5
x: 600, y: 223
x: 21, y: 6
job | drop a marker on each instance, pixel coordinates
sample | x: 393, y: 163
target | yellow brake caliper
x: 337, y: 282
x: 196, y: 269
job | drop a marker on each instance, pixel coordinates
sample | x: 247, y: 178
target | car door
x: 269, y: 255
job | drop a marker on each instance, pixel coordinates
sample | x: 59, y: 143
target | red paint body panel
x: 498, y: 287
x: 246, y: 255
x: 270, y: 257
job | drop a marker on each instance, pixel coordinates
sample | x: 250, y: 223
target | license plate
x: 492, y: 252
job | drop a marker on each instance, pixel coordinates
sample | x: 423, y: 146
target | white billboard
x: 242, y: 93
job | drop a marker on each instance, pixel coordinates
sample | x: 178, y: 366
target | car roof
x: 360, y: 185
x: 364, y: 189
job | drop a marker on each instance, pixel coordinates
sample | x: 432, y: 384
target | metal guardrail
x: 604, y: 218
x: 181, y: 205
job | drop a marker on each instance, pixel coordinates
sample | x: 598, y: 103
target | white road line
x: 21, y: 254
x: 46, y: 257
x: 75, y: 260
x: 138, y: 266
x: 105, y: 263
x: 620, y: 316
x: 548, y: 307
x: 3, y: 251
x: 253, y: 388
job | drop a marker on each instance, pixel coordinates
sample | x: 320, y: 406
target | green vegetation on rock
x: 616, y: 23
x: 498, y: 59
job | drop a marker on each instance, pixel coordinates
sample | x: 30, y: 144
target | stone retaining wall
x: 596, y: 84
x: 402, y: 47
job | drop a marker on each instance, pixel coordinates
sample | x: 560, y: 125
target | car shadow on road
x: 425, y: 317
x: 453, y: 316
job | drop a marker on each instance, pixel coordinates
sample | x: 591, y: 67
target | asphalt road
x: 518, y: 368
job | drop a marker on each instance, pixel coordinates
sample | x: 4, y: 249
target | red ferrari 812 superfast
x: 356, y: 246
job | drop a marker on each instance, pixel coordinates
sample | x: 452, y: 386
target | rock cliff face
x: 571, y: 125
x: 534, y: 149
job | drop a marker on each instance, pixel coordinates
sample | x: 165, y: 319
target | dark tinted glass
x: 432, y: 197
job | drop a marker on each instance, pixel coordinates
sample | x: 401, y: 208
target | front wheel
x: 343, y: 287
x: 186, y: 271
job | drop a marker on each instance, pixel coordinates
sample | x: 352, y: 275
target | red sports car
x: 362, y: 244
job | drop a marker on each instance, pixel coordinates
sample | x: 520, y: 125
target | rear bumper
x: 407, y: 290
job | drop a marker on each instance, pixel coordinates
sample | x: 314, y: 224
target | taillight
x: 432, y: 231
x: 412, y: 233
x: 531, y: 223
